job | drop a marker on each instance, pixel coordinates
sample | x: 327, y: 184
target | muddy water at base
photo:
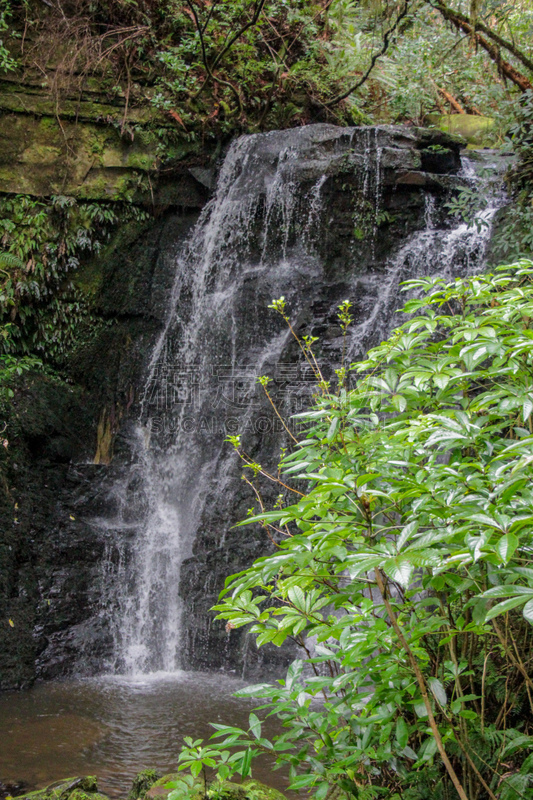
x: 114, y: 727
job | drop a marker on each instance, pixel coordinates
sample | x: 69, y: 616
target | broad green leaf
x: 407, y: 531
x: 528, y: 611
x: 246, y: 763
x: 508, y: 590
x: 402, y: 732
x: 507, y: 605
x: 420, y: 710
x: 438, y: 691
x: 507, y: 546
x: 255, y: 725
x: 297, y: 597
x: 399, y: 569
x: 332, y: 428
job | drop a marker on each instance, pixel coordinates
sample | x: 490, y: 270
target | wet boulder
x: 84, y: 788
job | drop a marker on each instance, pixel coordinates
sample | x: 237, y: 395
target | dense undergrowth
x: 218, y: 67
x: 46, y: 312
x: 223, y: 67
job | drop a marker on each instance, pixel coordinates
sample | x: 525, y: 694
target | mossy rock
x: 217, y: 790
x: 249, y: 790
x: 142, y: 782
x: 262, y: 792
x: 92, y: 161
x: 477, y: 130
x: 85, y: 788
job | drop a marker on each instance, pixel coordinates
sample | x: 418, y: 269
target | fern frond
x: 10, y: 261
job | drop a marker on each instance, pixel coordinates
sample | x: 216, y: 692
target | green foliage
x: 515, y: 237
x: 212, y: 68
x: 426, y: 56
x: 41, y: 310
x: 7, y: 62
x: 11, y: 368
x: 198, y: 759
x: 246, y: 64
x: 404, y: 569
x: 468, y: 205
x: 521, y: 134
x: 142, y: 782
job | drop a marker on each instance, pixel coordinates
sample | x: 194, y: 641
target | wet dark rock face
x: 380, y: 220
x: 44, y: 424
x: 50, y: 559
x: 369, y: 190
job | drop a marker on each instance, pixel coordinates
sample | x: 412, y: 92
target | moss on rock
x: 248, y: 790
x: 261, y: 791
x: 142, y: 782
x: 216, y: 790
x: 85, y: 788
x: 92, y: 161
x: 477, y: 130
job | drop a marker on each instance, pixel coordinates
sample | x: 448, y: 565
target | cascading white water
x: 432, y: 251
x: 258, y: 238
x: 197, y: 358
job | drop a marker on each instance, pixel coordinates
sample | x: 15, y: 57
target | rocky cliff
x: 341, y: 204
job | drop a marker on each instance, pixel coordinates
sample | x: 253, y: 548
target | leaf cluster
x: 404, y: 570
x: 42, y: 312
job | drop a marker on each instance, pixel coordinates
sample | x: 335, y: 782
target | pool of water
x: 114, y: 727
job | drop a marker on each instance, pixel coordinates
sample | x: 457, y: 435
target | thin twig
x: 375, y: 57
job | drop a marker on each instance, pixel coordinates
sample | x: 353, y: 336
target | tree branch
x: 464, y: 24
x: 480, y: 26
x: 455, y: 104
x: 375, y: 57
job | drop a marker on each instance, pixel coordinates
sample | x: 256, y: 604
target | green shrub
x: 404, y: 570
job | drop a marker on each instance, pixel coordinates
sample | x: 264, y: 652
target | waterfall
x: 200, y: 369
x: 449, y: 253
x: 273, y: 227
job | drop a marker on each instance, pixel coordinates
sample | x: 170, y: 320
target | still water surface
x: 114, y: 727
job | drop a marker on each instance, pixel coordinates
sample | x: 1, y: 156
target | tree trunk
x: 455, y: 104
x: 464, y: 24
